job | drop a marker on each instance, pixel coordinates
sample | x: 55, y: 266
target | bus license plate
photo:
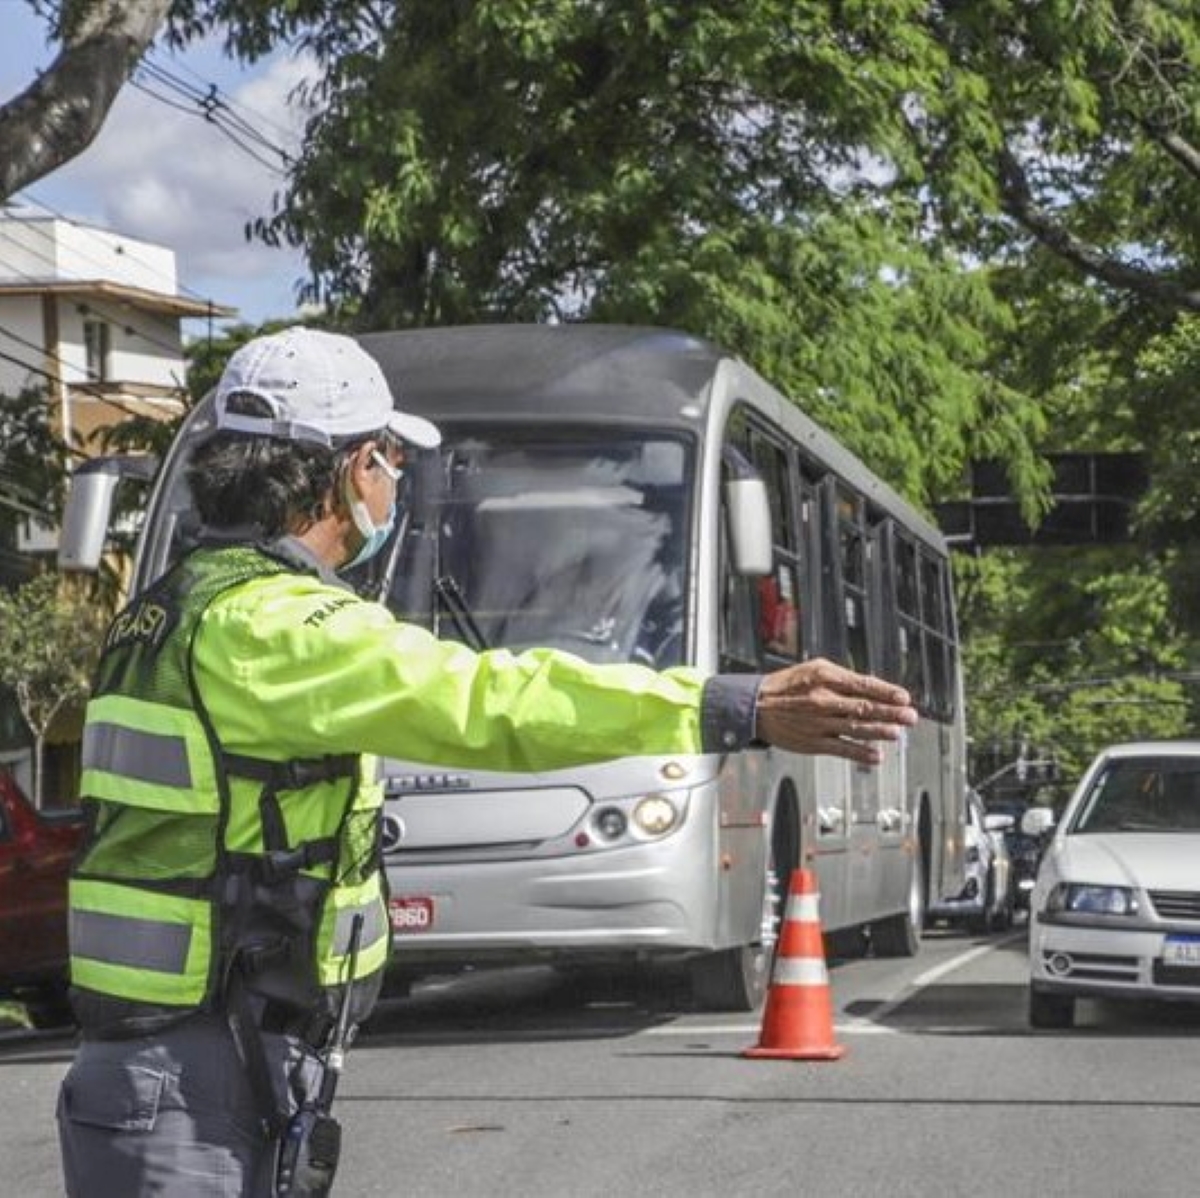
x: 1181, y: 950
x: 411, y: 914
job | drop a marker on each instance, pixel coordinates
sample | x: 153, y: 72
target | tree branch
x: 1017, y: 201
x: 1179, y: 148
x: 59, y: 115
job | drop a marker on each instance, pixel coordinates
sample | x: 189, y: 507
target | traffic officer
x: 229, y: 899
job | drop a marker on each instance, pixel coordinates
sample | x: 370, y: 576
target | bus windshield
x: 574, y: 541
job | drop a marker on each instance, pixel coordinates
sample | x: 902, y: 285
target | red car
x: 36, y: 849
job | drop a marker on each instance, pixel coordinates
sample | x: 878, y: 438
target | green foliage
x: 731, y: 171
x: 1072, y: 649
x: 32, y: 458
x: 51, y: 630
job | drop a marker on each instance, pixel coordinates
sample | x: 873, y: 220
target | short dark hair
x: 270, y: 484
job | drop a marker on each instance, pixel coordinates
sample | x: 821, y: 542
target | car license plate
x: 1181, y: 950
x: 411, y: 913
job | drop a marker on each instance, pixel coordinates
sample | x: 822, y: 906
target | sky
x: 168, y: 176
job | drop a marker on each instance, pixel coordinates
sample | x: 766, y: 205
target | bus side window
x: 779, y: 612
x: 909, y: 641
x: 853, y: 557
x: 779, y: 595
x: 935, y: 611
x: 739, y: 641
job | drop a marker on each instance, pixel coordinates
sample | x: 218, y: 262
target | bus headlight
x: 655, y: 815
x: 610, y: 822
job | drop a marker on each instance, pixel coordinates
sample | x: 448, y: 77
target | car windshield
x: 573, y: 541
x: 1143, y: 794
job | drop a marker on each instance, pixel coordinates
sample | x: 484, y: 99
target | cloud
x: 170, y: 177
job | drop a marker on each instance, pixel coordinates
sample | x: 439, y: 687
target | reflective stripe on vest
x: 149, y: 947
x: 147, y: 755
x: 337, y: 927
x: 343, y: 927
x: 139, y: 943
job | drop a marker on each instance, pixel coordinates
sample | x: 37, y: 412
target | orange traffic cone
x: 798, y: 1018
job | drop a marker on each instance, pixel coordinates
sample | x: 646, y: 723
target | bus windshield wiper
x: 451, y: 597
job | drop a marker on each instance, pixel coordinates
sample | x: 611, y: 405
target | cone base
x: 832, y: 1052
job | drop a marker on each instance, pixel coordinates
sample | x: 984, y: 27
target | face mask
x: 374, y: 536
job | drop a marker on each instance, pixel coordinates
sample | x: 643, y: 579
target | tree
x: 51, y: 630
x: 61, y: 111
x: 1074, y: 127
x: 32, y: 461
x: 698, y: 165
x: 1073, y: 649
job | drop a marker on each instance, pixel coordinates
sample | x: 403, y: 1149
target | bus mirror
x: 89, y: 508
x: 749, y: 526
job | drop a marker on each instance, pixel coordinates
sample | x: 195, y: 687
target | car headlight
x: 1088, y: 899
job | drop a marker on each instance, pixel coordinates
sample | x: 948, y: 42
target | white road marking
x: 919, y: 983
x: 858, y: 1025
x: 752, y: 1029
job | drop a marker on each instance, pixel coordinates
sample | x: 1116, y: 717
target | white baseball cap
x: 321, y: 387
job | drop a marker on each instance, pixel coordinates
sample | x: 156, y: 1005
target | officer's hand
x: 820, y: 707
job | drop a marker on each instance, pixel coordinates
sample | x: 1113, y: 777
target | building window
x: 96, y: 345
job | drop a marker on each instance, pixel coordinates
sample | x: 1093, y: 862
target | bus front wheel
x: 734, y: 979
x: 900, y: 935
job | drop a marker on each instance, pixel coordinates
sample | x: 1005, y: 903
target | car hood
x: 1153, y: 860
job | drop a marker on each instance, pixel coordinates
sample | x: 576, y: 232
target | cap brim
x: 416, y: 430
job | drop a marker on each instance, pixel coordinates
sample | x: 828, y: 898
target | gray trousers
x: 173, y: 1114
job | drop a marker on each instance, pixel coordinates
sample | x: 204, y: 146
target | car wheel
x: 984, y: 922
x: 1050, y: 1010
x: 1004, y: 917
x: 900, y: 935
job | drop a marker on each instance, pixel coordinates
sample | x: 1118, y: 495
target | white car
x: 988, y: 896
x: 1115, y: 912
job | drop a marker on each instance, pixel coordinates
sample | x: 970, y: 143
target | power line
x: 233, y: 103
x: 210, y: 103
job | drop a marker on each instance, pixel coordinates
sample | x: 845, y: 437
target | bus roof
x: 519, y: 372
x: 628, y: 374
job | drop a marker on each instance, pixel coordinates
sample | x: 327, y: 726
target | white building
x: 92, y: 320
x: 92, y: 317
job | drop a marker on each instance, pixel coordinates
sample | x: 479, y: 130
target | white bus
x: 632, y: 494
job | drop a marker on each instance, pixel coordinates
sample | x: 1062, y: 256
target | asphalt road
x: 512, y: 1084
